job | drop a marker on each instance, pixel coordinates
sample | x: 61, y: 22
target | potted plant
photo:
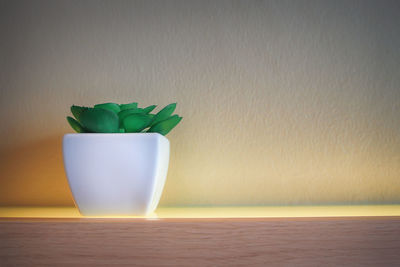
x: 117, y: 162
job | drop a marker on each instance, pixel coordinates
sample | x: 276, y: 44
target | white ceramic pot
x: 118, y: 174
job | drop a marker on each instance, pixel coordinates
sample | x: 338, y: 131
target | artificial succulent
x: 123, y: 118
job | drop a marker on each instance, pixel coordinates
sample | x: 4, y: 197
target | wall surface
x: 284, y: 102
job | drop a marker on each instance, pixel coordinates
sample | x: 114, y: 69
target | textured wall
x: 284, y: 102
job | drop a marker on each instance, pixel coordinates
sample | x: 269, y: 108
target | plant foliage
x: 123, y: 118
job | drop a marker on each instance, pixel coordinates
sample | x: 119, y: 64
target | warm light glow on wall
x: 216, y: 212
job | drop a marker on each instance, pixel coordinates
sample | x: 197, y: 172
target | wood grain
x: 359, y: 241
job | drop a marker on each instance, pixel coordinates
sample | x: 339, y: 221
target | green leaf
x: 151, y: 116
x: 77, y: 111
x: 164, y: 127
x: 164, y: 113
x: 128, y: 106
x: 100, y: 120
x: 109, y: 106
x: 149, y: 109
x: 136, y: 122
x: 124, y: 113
x: 75, y: 125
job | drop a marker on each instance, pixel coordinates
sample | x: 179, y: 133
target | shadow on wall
x: 34, y: 173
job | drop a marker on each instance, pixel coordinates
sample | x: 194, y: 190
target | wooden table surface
x: 238, y: 236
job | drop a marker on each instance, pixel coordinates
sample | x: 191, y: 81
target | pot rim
x: 112, y: 134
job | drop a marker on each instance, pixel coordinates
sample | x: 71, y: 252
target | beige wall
x: 284, y: 102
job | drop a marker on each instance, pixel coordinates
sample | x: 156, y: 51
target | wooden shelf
x: 369, y: 237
